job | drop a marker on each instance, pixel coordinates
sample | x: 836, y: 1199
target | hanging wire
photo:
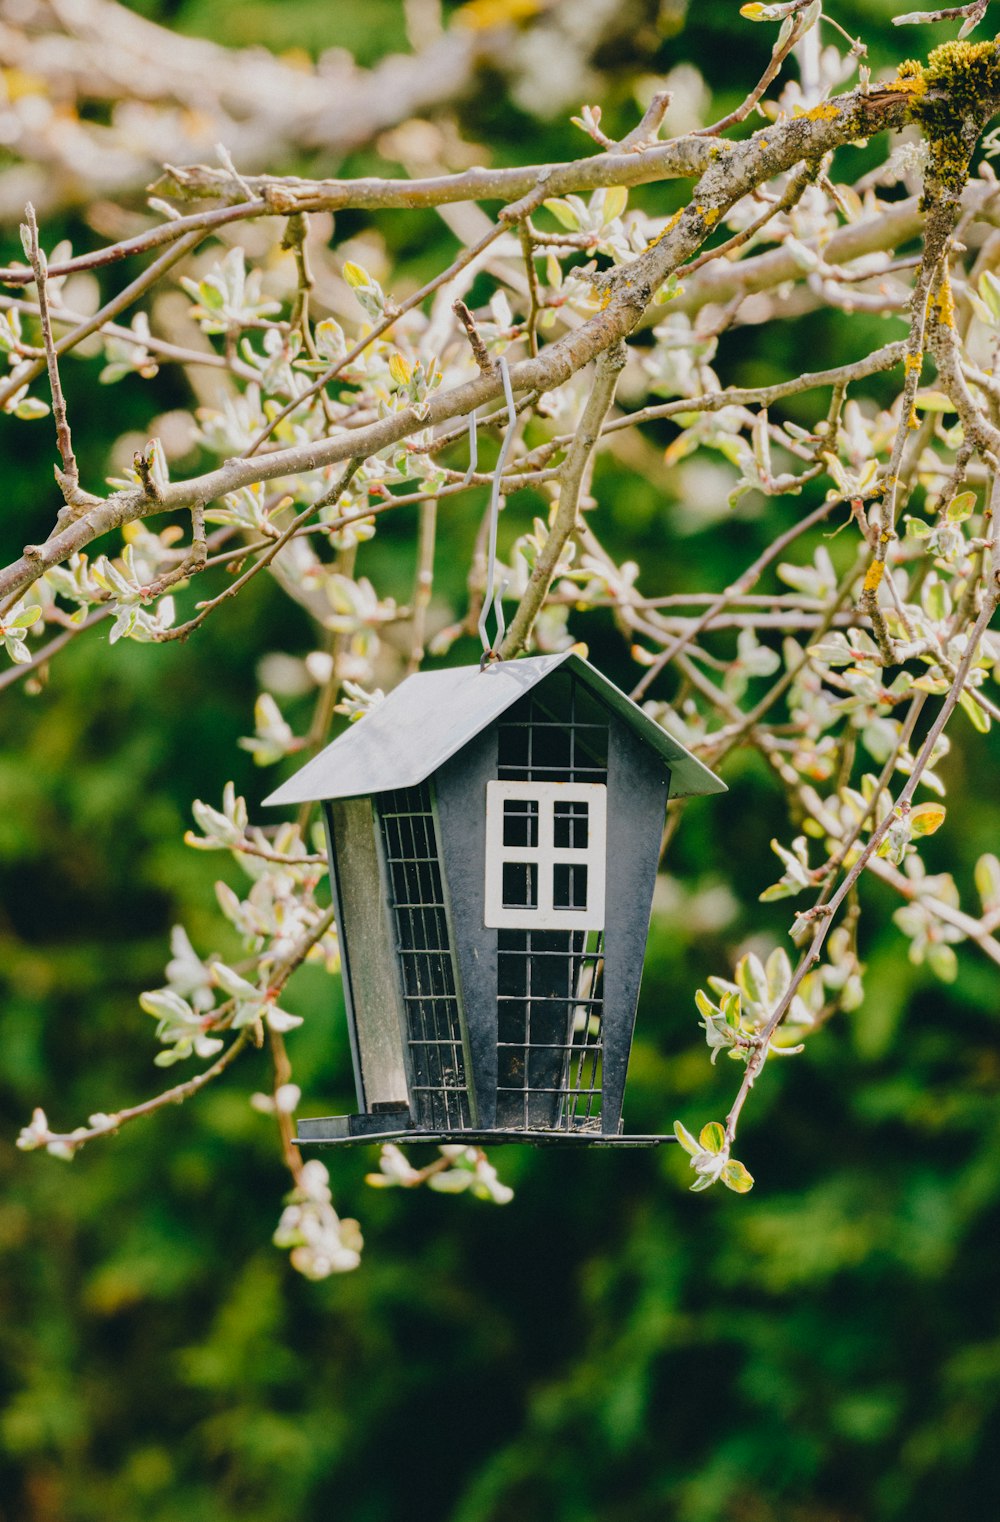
x: 473, y: 448
x: 492, y: 593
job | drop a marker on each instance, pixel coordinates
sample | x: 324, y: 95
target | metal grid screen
x: 427, y: 970
x: 550, y: 982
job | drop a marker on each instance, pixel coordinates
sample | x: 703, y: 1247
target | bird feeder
x: 494, y: 836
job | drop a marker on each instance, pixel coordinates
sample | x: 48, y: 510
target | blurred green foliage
x: 606, y: 1347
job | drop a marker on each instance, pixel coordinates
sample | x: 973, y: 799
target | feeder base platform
x: 358, y: 1130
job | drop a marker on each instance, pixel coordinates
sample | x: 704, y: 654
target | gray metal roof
x: 430, y: 716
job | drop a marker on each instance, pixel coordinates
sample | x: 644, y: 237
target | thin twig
x: 164, y: 351
x: 793, y: 192
x: 69, y: 476
x: 574, y: 472
x: 423, y: 582
x: 183, y: 631
x: 743, y: 583
x: 973, y: 14
x: 317, y: 387
x: 480, y: 353
x: 40, y: 658
x: 25, y: 374
x: 172, y: 1096
x: 181, y: 1091
x: 778, y: 56
x: 528, y: 250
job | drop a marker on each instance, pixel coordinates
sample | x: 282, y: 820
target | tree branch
x: 571, y: 484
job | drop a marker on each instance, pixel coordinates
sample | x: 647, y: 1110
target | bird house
x: 494, y: 837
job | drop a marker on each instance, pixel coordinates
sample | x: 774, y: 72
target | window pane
x: 569, y: 886
x: 520, y: 885
x: 520, y: 822
x: 571, y: 826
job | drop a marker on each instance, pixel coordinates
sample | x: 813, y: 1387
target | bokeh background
x: 607, y: 1348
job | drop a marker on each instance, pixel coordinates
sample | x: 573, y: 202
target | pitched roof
x: 430, y: 716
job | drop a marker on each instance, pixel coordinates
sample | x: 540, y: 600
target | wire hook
x: 492, y: 593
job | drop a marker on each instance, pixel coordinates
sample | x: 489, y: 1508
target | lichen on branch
x: 952, y: 97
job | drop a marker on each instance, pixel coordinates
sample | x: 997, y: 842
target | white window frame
x: 546, y: 855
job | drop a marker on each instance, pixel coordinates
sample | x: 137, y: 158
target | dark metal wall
x: 638, y: 787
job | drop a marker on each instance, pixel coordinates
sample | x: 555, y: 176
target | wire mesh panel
x: 549, y: 1029
x: 430, y: 997
x: 558, y: 733
x: 550, y: 982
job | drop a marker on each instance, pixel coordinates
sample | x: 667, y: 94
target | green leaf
x: 455, y: 1181
x: 977, y: 717
x: 246, y: 1014
x: 961, y: 507
x: 833, y: 649
x: 942, y: 961
x: 926, y: 818
x: 669, y: 291
x: 25, y: 618
x: 30, y: 408
x: 732, y: 1009
x: 987, y: 877
x: 615, y: 202
x: 936, y: 600
x: 17, y: 650
x: 989, y: 290
x: 231, y: 983
x: 563, y: 213
x: 330, y: 342
x: 933, y: 401
x: 932, y: 684
x: 165, y: 1004
x: 750, y: 973
x: 705, y: 1006
x: 713, y: 1137
x: 210, y: 296
x: 685, y: 1138
x: 736, y: 1177
x: 779, y: 973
